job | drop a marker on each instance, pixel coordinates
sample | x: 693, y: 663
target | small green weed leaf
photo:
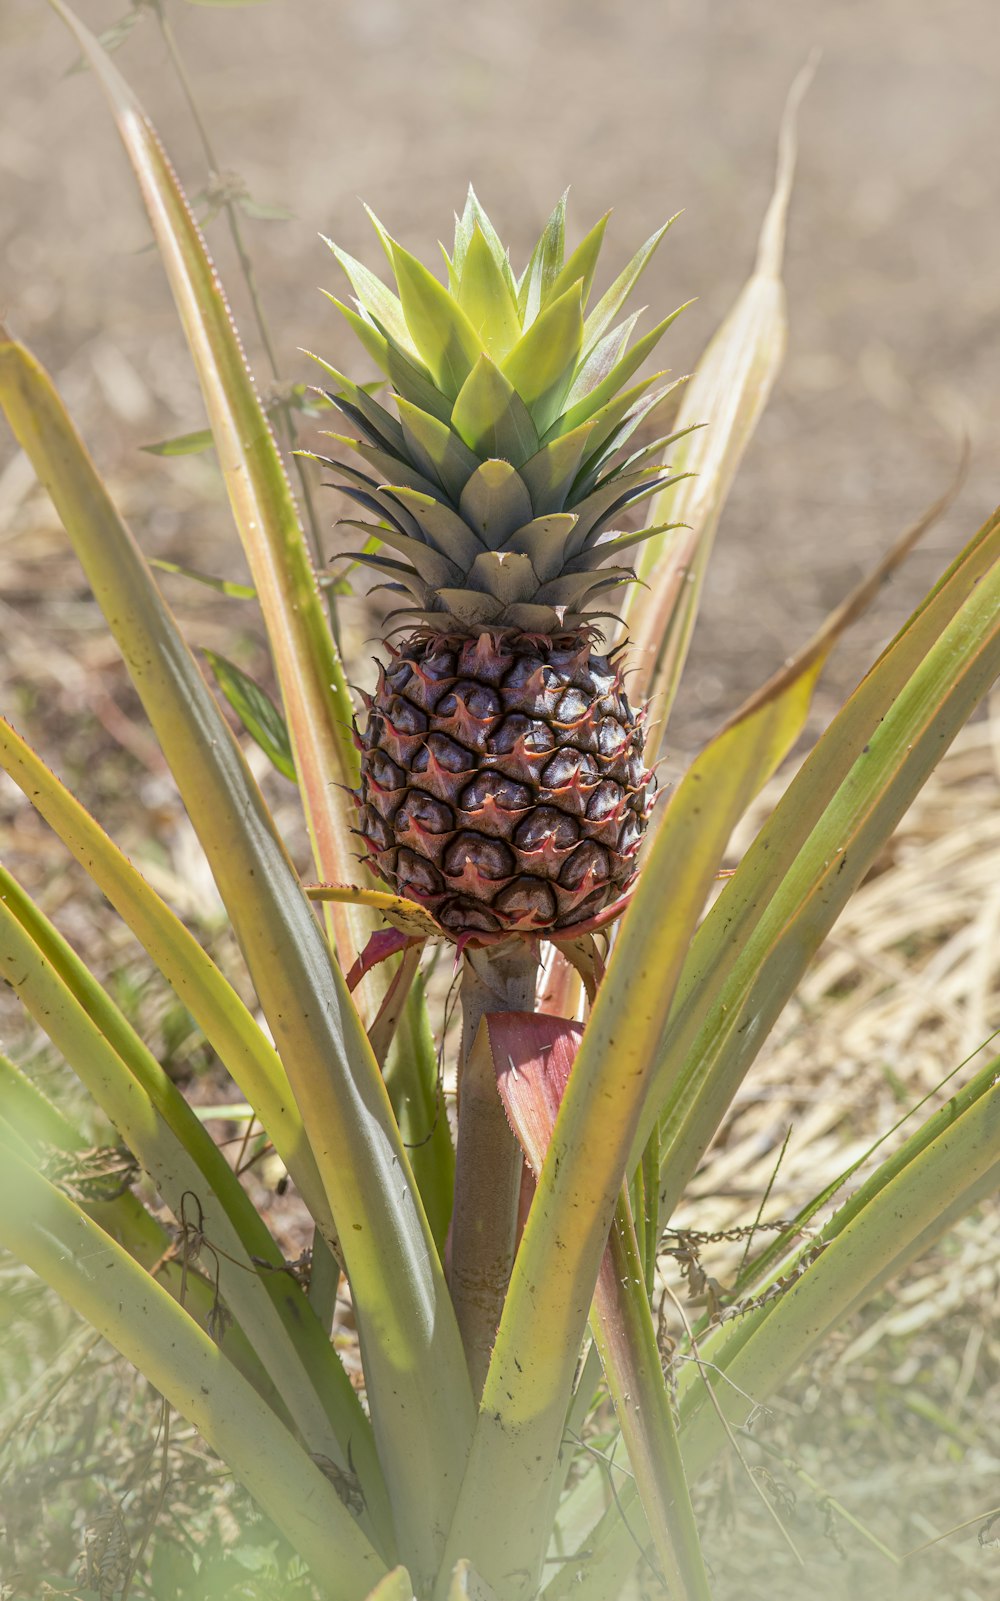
x: 224, y: 586
x: 256, y: 711
x: 182, y: 444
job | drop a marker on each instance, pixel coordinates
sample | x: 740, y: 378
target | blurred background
x: 649, y: 108
x: 314, y: 106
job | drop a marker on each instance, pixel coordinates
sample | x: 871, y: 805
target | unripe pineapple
x: 503, y: 782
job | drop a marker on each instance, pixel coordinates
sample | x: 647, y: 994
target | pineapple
x: 503, y: 782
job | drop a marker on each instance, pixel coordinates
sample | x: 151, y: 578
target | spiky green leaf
x: 445, y: 338
x: 491, y: 417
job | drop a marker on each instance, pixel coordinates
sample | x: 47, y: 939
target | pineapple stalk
x: 488, y: 1160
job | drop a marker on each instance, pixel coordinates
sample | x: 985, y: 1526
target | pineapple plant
x: 503, y: 785
x: 501, y: 782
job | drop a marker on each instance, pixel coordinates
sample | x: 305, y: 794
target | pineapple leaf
x: 389, y: 468
x: 486, y: 299
x: 377, y: 299
x: 491, y: 417
x: 428, y: 564
x: 445, y: 338
x: 613, y: 413
x: 621, y: 371
x: 256, y: 711
x: 602, y: 359
x: 572, y: 590
x: 467, y: 606
x: 610, y: 498
x: 582, y: 262
x: 442, y: 527
x: 410, y: 380
x: 613, y: 299
x: 551, y: 471
x: 543, y: 541
x: 390, y: 514
x: 383, y: 236
x: 505, y: 574
x: 492, y: 238
x: 544, y: 267
x: 600, y: 548
x: 495, y: 502
x: 464, y: 225
x: 355, y: 402
x: 408, y: 580
x: 435, y: 449
x: 609, y: 441
x: 542, y: 363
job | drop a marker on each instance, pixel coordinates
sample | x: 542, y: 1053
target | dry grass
x: 898, y: 1418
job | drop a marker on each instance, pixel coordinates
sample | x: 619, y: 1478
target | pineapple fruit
x: 503, y: 782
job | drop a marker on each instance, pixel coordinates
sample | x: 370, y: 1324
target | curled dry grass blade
x: 45, y: 1229
x: 414, y: 1368
x: 722, y: 405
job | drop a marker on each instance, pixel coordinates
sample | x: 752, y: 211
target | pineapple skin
x: 503, y: 781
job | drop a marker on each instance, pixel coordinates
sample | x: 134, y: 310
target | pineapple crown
x: 494, y: 486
